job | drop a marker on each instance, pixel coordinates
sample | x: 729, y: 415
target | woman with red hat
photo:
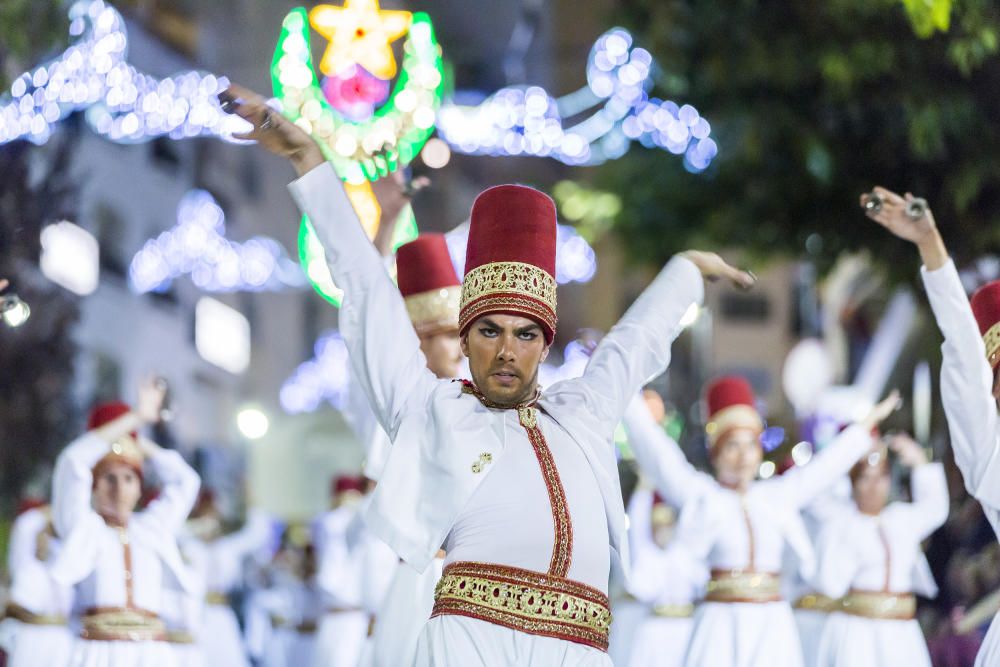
x: 739, y: 526
x: 970, y: 381
x: 120, y: 560
x: 870, y: 560
x: 521, y: 487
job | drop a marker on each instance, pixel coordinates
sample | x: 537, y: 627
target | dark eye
x: 528, y: 335
x: 488, y: 333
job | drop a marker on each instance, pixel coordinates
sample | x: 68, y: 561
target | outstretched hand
x: 271, y: 130
x: 713, y: 267
x: 909, y: 451
x: 152, y: 392
x: 892, y: 215
x: 882, y: 410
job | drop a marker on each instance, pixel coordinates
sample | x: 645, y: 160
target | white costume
x: 742, y: 538
x: 119, y: 574
x: 874, y: 561
x: 669, y: 580
x: 220, y: 563
x: 966, y: 392
x: 471, y: 477
x: 38, y: 607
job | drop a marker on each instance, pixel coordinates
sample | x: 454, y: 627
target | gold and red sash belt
x: 303, y: 628
x: 122, y: 624
x: 743, y: 586
x: 217, y: 598
x: 817, y: 602
x: 531, y: 602
x: 879, y: 605
x: 23, y: 615
x: 673, y: 610
x: 182, y: 637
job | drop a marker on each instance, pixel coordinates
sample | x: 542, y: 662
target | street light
x: 252, y: 423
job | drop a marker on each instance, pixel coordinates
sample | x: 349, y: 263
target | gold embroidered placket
x: 992, y: 340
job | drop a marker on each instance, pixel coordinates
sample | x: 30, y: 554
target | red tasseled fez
x: 731, y: 405
x: 345, y: 483
x: 510, y: 260
x: 986, y: 308
x: 428, y: 283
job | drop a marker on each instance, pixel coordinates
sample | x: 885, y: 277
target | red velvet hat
x: 510, y: 261
x: 730, y: 406
x: 345, y: 483
x: 125, y: 450
x: 986, y: 308
x: 428, y: 282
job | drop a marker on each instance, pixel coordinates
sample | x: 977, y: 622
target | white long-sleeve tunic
x: 880, y: 554
x: 747, y: 532
x: 966, y: 392
x: 93, y: 556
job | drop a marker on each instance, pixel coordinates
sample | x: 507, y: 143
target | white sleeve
x: 637, y: 349
x: 661, y: 458
x: 966, y: 386
x: 802, y: 484
x: 929, y: 509
x: 384, y: 349
x: 73, y: 480
x: 23, y: 545
x: 179, y: 491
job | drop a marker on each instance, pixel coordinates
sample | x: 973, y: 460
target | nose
x: 505, y: 351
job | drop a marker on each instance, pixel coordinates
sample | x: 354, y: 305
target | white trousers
x: 744, y: 634
x: 852, y: 641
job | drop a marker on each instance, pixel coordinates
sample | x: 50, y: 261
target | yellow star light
x: 359, y: 32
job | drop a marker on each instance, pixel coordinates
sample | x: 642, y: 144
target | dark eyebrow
x: 490, y: 323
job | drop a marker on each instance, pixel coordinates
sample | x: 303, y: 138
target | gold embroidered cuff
x: 673, y: 610
x: 435, y: 310
x: 122, y: 625
x: 817, y: 602
x: 992, y: 340
x: 743, y: 586
x: 879, y: 605
x: 524, y: 600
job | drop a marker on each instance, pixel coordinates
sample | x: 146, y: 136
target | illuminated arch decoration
x: 121, y: 103
x: 395, y: 132
x: 613, y: 110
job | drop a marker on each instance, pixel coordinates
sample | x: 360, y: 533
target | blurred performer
x: 869, y: 559
x: 431, y: 291
x: 741, y: 526
x: 38, y: 607
x: 666, y: 577
x: 521, y: 488
x: 219, y: 559
x: 970, y: 382
x: 119, y: 560
x: 340, y: 559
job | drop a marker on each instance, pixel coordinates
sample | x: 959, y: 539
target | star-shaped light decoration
x: 359, y: 33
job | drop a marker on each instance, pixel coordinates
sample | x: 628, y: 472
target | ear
x: 545, y: 354
x: 465, y: 345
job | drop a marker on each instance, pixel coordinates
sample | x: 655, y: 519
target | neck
x: 740, y: 486
x: 115, y: 519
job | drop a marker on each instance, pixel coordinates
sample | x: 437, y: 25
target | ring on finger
x: 268, y: 121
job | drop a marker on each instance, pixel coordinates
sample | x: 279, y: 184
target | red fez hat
x: 345, y: 483
x: 510, y: 260
x: 28, y: 504
x: 124, y: 450
x: 731, y: 406
x: 428, y: 283
x: 986, y: 308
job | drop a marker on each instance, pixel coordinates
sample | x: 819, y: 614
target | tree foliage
x: 812, y: 103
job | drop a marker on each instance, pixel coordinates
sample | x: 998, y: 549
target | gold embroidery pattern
x: 735, y: 416
x: 509, y: 278
x: 122, y: 625
x: 562, y: 524
x: 879, y: 604
x: 673, y: 610
x: 434, y: 309
x: 992, y: 340
x: 507, y: 302
x: 19, y: 613
x: 524, y: 600
x: 817, y: 602
x: 743, y: 586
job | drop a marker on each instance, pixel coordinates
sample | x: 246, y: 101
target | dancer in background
x: 740, y: 527
x: 970, y: 382
x: 869, y: 558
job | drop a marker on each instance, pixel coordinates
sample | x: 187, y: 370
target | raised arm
x: 661, y: 459
x: 393, y: 376
x: 966, y: 376
x: 929, y: 508
x: 801, y: 485
x: 73, y: 481
x: 637, y: 349
x: 180, y: 487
